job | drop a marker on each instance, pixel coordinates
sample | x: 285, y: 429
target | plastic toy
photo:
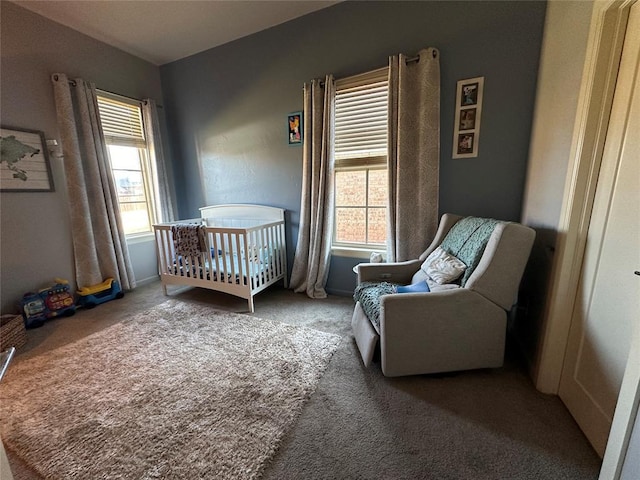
x: 94, y: 295
x: 47, y: 303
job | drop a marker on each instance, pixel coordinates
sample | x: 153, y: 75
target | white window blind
x: 121, y: 122
x: 361, y: 116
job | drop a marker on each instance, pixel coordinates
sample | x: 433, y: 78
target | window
x: 130, y: 163
x: 361, y: 161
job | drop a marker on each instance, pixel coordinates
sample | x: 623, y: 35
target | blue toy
x: 89, y: 297
x: 47, y: 303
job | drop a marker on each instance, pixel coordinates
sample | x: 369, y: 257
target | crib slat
x: 216, y: 253
x: 255, y: 250
x: 251, y: 265
x: 266, y: 256
x: 195, y: 261
x: 206, y: 257
x: 282, y: 249
x: 161, y: 250
x: 269, y: 259
x: 232, y: 262
x: 168, y: 243
x: 259, y: 260
x: 277, y: 245
x: 185, y: 271
x: 240, y: 278
x: 224, y: 263
x: 276, y: 250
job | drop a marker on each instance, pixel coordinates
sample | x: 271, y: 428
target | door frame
x: 604, y: 49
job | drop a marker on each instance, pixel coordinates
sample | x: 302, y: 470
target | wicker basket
x: 12, y: 331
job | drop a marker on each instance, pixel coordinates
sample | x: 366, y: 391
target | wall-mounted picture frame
x: 466, y: 132
x: 294, y: 125
x: 465, y: 143
x: 469, y: 94
x: 467, y: 119
x: 24, y: 161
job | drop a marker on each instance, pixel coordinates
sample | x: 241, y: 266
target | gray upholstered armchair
x: 455, y: 326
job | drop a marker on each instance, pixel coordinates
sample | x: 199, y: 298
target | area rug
x: 180, y: 391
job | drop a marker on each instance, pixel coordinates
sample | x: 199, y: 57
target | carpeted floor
x: 486, y: 424
x: 180, y: 391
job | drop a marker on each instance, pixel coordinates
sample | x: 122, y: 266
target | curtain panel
x: 100, y: 249
x: 165, y: 196
x: 414, y: 153
x: 313, y: 251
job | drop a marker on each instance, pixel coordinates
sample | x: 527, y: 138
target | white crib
x: 245, y: 251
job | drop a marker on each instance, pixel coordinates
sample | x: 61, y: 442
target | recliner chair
x: 452, y: 327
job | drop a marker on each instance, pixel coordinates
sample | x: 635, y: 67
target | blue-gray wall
x: 35, y: 230
x: 226, y: 107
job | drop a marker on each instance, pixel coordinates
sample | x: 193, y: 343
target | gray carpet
x: 486, y: 424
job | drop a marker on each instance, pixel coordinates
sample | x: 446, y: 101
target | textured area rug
x: 180, y: 391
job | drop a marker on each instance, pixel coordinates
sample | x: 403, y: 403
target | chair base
x: 365, y: 335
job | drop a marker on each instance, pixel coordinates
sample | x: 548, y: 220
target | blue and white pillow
x: 419, y: 287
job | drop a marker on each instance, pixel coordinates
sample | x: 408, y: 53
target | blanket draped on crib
x: 189, y: 239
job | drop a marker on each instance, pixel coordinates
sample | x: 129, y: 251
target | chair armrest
x: 443, y: 302
x: 395, y: 272
x: 440, y: 331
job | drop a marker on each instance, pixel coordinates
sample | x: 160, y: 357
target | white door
x: 608, y: 299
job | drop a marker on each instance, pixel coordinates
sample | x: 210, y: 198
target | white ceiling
x: 162, y: 31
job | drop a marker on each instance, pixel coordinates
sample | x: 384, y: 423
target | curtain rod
x: 57, y: 78
x: 407, y: 61
x: 124, y: 96
x: 73, y: 83
x: 417, y: 57
x: 119, y: 95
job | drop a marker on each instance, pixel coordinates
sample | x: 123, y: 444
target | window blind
x: 121, y: 122
x: 361, y: 117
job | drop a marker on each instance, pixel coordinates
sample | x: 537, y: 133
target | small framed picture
x: 466, y: 131
x: 467, y: 119
x: 465, y: 143
x: 469, y: 94
x: 294, y: 121
x: 24, y: 161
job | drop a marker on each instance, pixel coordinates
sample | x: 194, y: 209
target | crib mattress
x: 231, y: 263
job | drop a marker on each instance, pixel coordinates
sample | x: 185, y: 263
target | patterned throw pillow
x: 443, y: 267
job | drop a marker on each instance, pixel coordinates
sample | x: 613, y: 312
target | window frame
x: 146, y: 164
x: 365, y: 163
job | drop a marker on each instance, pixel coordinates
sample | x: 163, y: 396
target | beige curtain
x: 99, y: 245
x: 165, y: 196
x: 414, y: 153
x: 313, y: 251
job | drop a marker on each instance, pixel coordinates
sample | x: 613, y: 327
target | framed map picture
x: 466, y: 131
x: 24, y: 161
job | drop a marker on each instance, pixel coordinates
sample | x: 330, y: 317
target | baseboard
x: 147, y: 281
x: 339, y: 293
